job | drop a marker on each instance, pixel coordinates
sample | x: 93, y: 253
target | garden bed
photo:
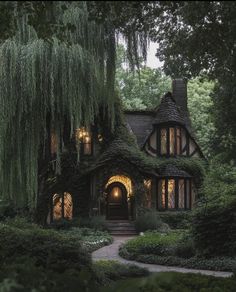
x: 172, y: 249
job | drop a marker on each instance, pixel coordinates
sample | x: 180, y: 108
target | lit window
x: 181, y: 194
x: 54, y: 143
x: 178, y: 141
x: 84, y: 138
x: 170, y: 141
x: 174, y: 193
x: 148, y: 192
x: 163, y: 141
x: 62, y: 206
x: 171, y: 194
x: 161, y: 194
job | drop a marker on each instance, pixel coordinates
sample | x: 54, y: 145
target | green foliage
x: 141, y: 89
x: 177, y: 220
x: 173, y: 249
x: 219, y: 186
x: 35, y: 258
x: 214, y: 229
x: 94, y: 222
x: 200, y: 105
x: 110, y: 271
x: 91, y: 239
x: 150, y: 220
x: 152, y: 243
x: 44, y: 84
x: 171, y: 281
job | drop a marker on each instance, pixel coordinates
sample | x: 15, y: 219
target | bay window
x: 174, y: 193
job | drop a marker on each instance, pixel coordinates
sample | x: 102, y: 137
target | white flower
x: 141, y: 234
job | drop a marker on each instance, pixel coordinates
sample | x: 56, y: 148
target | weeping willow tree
x: 42, y: 83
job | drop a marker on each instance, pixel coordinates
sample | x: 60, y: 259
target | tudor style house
x: 143, y: 172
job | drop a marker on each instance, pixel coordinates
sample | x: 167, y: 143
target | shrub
x: 185, y: 247
x: 177, y: 220
x: 153, y: 243
x: 171, y: 281
x: 95, y: 222
x: 108, y: 271
x: 149, y: 221
x: 35, y: 259
x: 214, y: 229
x: 48, y: 248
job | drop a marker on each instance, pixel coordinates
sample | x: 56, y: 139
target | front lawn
x: 172, y: 249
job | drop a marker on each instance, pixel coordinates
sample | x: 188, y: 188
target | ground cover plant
x: 175, y: 282
x: 175, y: 248
x: 35, y: 258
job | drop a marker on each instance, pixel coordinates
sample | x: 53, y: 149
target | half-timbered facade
x: 116, y: 181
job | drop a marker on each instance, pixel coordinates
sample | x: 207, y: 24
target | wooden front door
x: 117, y: 205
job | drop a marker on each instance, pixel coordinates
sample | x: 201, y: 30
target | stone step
x: 123, y: 232
x: 121, y: 228
x: 120, y: 225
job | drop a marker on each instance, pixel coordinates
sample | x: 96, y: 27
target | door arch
x: 117, y: 204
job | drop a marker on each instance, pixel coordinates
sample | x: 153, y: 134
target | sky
x: 152, y: 60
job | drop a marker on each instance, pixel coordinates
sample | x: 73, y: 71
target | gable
x: 140, y: 123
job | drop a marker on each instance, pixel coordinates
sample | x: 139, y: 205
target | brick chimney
x: 179, y: 92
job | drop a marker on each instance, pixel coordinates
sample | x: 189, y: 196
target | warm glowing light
x: 82, y: 135
x: 124, y: 180
x: 58, y: 205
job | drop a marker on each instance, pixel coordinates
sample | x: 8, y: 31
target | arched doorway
x: 117, y: 204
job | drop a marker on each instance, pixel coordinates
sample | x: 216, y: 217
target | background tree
x: 142, y: 88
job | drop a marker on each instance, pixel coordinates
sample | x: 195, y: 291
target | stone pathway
x: 110, y: 252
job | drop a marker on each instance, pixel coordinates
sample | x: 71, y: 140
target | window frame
x: 167, y: 128
x: 176, y: 179
x: 62, y: 195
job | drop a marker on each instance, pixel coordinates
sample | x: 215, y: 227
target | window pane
x: 87, y: 144
x: 68, y: 206
x: 171, y: 194
x: 161, y: 194
x: 178, y: 140
x: 148, y: 193
x: 57, y: 207
x: 172, y: 141
x: 188, y: 193
x: 163, y: 141
x: 181, y: 194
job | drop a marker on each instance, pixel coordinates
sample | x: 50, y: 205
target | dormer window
x: 84, y: 140
x: 170, y: 140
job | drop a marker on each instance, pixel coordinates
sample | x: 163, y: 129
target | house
x: 146, y: 164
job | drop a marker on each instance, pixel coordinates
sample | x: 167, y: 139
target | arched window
x: 62, y: 206
x: 174, y: 194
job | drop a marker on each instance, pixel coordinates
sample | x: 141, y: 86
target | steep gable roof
x: 168, y: 111
x: 140, y: 123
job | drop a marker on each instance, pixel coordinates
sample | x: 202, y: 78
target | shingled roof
x: 140, y: 124
x: 168, y: 111
x: 172, y: 171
